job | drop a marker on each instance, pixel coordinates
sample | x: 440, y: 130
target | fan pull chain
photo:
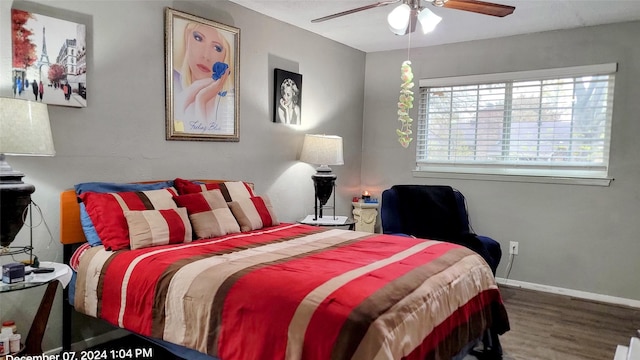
x: 409, y: 41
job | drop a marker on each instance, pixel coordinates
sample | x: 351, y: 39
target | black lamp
x: 24, y: 131
x: 323, y: 150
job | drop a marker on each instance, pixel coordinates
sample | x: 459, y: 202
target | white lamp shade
x: 322, y: 150
x: 25, y: 128
x: 428, y: 20
x: 398, y: 19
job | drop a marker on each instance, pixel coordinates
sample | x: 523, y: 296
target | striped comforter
x: 297, y: 292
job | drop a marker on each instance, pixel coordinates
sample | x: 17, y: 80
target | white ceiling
x: 368, y: 31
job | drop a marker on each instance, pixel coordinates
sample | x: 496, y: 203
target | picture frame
x: 57, y: 76
x: 287, y: 96
x: 202, y: 61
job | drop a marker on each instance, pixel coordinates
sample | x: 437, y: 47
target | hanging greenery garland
x: 405, y: 104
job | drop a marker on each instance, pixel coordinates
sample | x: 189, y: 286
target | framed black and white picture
x: 287, y: 97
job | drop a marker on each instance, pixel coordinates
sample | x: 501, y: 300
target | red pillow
x: 106, y: 211
x: 231, y: 190
x: 254, y: 213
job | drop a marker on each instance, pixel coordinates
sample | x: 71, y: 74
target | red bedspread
x: 297, y: 292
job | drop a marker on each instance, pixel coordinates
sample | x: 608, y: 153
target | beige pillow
x: 209, y: 214
x: 158, y: 227
x: 254, y: 213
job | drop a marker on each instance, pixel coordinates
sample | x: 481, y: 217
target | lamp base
x: 16, y: 196
x: 324, y: 180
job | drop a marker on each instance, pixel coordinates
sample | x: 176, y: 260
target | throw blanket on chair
x: 431, y: 212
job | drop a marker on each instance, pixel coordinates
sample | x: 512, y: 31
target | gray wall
x: 577, y: 237
x: 120, y: 135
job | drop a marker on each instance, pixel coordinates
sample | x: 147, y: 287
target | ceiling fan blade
x: 362, y: 8
x: 480, y: 7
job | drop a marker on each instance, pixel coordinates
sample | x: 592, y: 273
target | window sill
x: 589, y: 181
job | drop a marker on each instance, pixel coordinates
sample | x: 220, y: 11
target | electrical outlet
x: 513, y: 248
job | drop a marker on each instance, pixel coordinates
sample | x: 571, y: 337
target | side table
x: 365, y: 215
x: 329, y: 221
x: 61, y: 273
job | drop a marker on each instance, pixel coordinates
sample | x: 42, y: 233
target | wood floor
x: 556, y: 327
x: 543, y: 327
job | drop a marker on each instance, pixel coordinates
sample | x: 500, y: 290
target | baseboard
x: 570, y: 292
x: 93, y: 341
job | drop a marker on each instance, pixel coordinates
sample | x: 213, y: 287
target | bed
x: 288, y: 291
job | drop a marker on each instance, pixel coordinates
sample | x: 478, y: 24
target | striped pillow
x: 209, y: 214
x: 106, y: 211
x: 231, y: 190
x: 109, y: 187
x: 254, y: 213
x: 158, y: 227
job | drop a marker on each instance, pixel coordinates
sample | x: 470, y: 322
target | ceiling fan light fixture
x: 428, y: 20
x: 398, y: 19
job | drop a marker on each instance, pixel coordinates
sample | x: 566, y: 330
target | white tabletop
x: 61, y: 272
x: 325, y: 220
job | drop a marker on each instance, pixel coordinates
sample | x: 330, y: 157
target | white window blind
x: 553, y: 122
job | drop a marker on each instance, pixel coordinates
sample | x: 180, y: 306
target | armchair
x: 434, y: 212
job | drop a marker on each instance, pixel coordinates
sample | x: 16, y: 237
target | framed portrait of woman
x: 287, y: 94
x: 202, y: 59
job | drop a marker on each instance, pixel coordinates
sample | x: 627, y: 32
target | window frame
x: 586, y: 175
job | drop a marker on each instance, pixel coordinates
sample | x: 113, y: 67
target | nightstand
x: 61, y: 273
x: 329, y: 221
x: 365, y: 215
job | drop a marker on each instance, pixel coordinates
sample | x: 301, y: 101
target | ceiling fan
x: 402, y: 19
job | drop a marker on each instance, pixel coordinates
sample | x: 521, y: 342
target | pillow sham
x: 106, y: 211
x: 107, y: 187
x: 110, y: 187
x: 209, y: 214
x: 158, y: 227
x: 253, y: 213
x: 89, y: 230
x: 231, y: 190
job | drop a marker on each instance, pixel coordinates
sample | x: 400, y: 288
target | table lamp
x: 24, y: 131
x: 322, y: 150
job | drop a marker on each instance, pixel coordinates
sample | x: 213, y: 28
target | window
x: 554, y: 122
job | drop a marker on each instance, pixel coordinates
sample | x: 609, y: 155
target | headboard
x: 70, y: 226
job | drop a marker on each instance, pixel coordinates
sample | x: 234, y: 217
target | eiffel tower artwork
x: 59, y: 59
x: 44, y: 58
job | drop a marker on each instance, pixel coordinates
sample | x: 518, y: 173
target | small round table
x: 33, y: 342
x: 327, y: 222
